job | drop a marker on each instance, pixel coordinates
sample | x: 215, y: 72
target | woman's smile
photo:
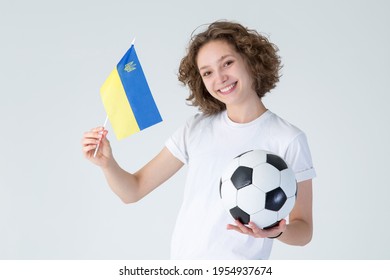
x: 228, y: 89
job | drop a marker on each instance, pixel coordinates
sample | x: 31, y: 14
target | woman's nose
x: 222, y: 77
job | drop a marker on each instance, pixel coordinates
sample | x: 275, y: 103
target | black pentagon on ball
x: 239, y: 214
x: 242, y: 177
x: 275, y: 199
x: 276, y: 162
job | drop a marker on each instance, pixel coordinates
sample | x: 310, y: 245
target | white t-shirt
x: 207, y: 144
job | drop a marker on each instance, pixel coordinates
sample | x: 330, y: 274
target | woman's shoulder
x: 200, y: 119
x: 282, y: 126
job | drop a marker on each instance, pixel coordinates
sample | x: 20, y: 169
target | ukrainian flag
x: 127, y: 98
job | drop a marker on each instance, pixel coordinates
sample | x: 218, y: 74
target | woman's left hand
x: 253, y: 230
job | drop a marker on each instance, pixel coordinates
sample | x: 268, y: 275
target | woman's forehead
x: 213, y: 52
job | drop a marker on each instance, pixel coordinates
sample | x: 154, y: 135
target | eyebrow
x: 218, y: 61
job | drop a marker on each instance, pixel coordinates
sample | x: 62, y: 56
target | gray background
x: 55, y: 55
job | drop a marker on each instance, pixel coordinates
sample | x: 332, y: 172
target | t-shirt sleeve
x: 299, y: 158
x: 177, y: 143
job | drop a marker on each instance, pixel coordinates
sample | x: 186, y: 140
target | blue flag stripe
x: 137, y: 90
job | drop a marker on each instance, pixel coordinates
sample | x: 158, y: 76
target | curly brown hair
x: 258, y: 52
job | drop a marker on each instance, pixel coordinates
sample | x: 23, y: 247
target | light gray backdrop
x: 55, y: 55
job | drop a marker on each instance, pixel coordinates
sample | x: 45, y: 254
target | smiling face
x: 225, y: 75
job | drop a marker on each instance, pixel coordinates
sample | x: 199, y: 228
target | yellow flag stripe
x: 117, y: 106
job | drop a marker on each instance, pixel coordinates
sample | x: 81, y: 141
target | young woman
x: 228, y: 69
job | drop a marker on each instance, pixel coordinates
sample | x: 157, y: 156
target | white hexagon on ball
x: 266, y: 177
x: 264, y: 218
x: 229, y: 194
x: 250, y: 199
x: 288, y: 182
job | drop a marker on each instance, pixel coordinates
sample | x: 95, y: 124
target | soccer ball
x: 258, y: 186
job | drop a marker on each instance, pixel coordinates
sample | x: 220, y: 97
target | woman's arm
x: 299, y: 231
x: 132, y: 187
x: 129, y: 187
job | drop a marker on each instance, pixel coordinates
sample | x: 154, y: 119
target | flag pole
x: 101, y: 132
x: 105, y: 122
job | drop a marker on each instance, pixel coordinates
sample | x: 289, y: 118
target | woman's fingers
x: 253, y: 230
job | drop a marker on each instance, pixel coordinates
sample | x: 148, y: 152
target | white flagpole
x: 97, y: 147
x: 105, y: 122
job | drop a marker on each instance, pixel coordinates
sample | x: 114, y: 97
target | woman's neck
x: 245, y: 114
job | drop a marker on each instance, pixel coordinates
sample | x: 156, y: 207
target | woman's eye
x: 227, y: 63
x: 207, y: 73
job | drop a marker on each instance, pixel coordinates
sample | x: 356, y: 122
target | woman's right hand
x: 90, y: 142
